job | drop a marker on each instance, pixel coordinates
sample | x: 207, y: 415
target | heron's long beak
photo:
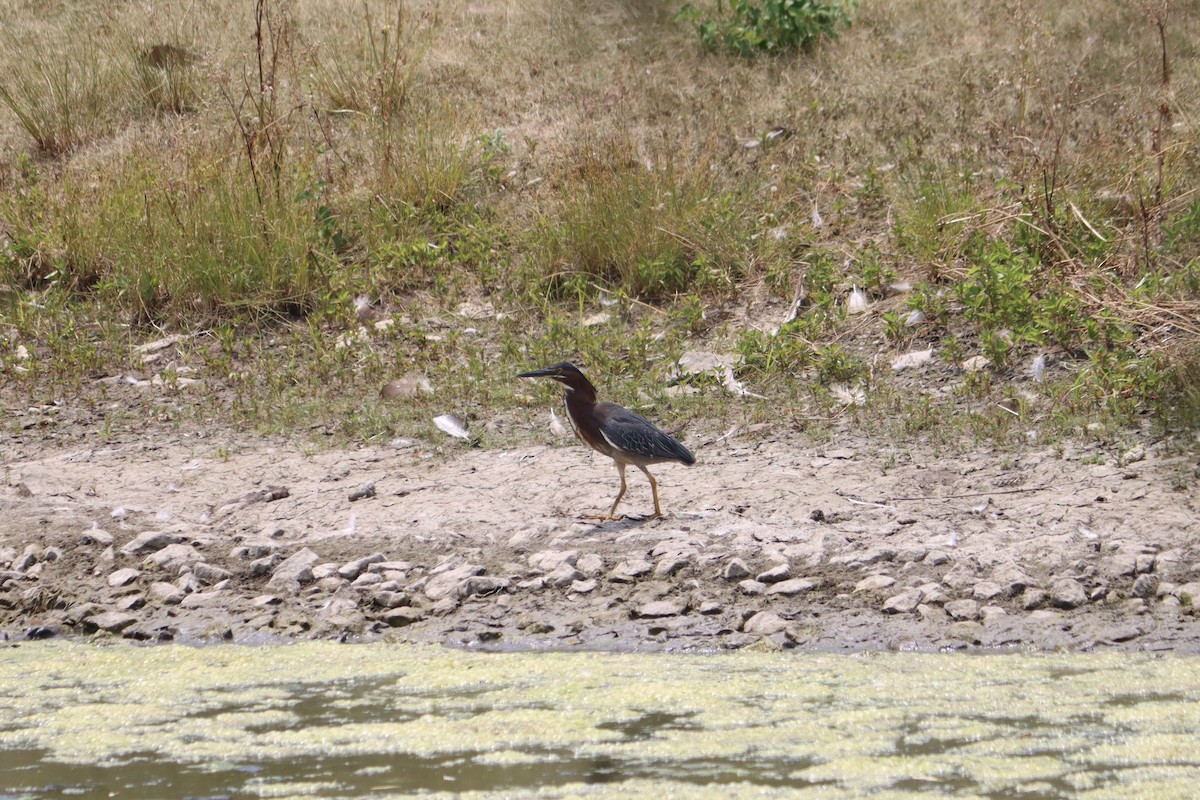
x: 548, y: 372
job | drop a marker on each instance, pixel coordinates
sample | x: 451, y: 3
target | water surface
x: 323, y: 720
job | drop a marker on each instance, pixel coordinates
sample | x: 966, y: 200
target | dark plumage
x: 617, y: 432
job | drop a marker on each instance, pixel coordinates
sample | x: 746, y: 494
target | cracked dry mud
x: 766, y: 543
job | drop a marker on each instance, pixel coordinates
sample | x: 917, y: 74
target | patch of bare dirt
x: 766, y: 542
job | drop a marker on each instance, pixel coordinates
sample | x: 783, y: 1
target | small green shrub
x: 749, y: 27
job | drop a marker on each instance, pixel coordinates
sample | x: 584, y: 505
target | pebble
x: 1033, y: 598
x: 261, y: 566
x: 389, y: 566
x: 205, y: 599
x: 1144, y: 562
x: 97, y: 536
x: 992, y: 613
x: 150, y: 541
x: 764, y: 623
x: 777, y: 573
x: 590, y: 564
x: 251, y: 551
x: 448, y: 584
x: 987, y: 590
x: 792, y: 587
x: 709, y: 607
x: 123, y: 577
x: 735, y: 570
x: 564, y: 575
x: 627, y: 571
x: 26, y: 560
x: 1146, y: 586
x: 484, y: 585
x: 166, y: 593
x: 935, y: 558
x: 327, y: 570
x: 353, y: 569
x: 173, y: 557
x: 874, y: 583
x: 669, y: 565
x: 131, y: 602
x: 387, y: 599
x: 548, y: 560
x: 368, y: 580
x: 1012, y: 579
x: 109, y: 621
x: 402, y: 616
x: 965, y: 631
x: 295, y: 571
x: 266, y: 600
x: 962, y: 609
x: 1067, y: 593
x: 661, y: 608
x: 583, y: 587
x: 904, y: 603
x: 751, y: 587
x: 210, y: 574
x: 1191, y: 590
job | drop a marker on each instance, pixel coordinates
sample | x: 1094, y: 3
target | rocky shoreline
x: 833, y: 552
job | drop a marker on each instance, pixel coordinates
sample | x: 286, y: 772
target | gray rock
x: 210, y: 573
x: 212, y: 599
x: 669, y: 565
x: 965, y: 631
x: 353, y: 569
x: 131, y: 602
x: 987, y: 590
x: 123, y: 577
x: 583, y: 587
x: 549, y: 560
x: 149, y: 542
x: 109, y: 621
x: 387, y: 599
x: 168, y: 594
x: 628, y: 570
x: 904, y: 603
x: 591, y: 564
x: 1144, y: 562
x: 962, y: 609
x: 708, y: 607
x: 1033, y: 598
x: 1189, y: 593
x: 935, y: 558
x: 874, y: 583
x: 777, y: 573
x: 51, y: 553
x: 367, y: 580
x: 448, y: 584
x: 661, y: 608
x: 402, y: 616
x: 1067, y: 593
x: 764, y: 623
x: 262, y: 566
x: 484, y: 585
x: 26, y: 560
x: 295, y: 571
x: 792, y: 587
x: 1146, y: 586
x: 264, y: 600
x: 992, y: 613
x: 911, y: 554
x: 1012, y: 579
x: 96, y: 536
x: 564, y: 575
x: 735, y: 570
x: 252, y: 550
x: 327, y: 570
x: 173, y: 557
x: 390, y: 566
x: 751, y: 587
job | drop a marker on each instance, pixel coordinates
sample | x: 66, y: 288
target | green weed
x: 749, y: 27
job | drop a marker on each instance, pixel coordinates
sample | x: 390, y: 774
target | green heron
x: 616, y: 432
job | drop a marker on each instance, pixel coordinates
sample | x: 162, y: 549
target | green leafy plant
x: 748, y: 27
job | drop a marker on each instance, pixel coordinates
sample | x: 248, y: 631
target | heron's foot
x: 602, y: 517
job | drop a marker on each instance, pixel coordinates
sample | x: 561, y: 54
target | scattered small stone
x: 1067, y: 593
x: 252, y: 551
x: 661, y: 608
x: 735, y: 570
x: 210, y: 574
x: 583, y: 587
x: 709, y: 607
x: 751, y: 587
x: 962, y: 609
x: 26, y: 560
x: 992, y: 613
x: 564, y: 575
x: 168, y: 594
x: 669, y: 565
x: 628, y: 571
x: 294, y: 572
x: 793, y: 586
x: 448, y: 584
x: 904, y: 603
x: 935, y: 558
x: 327, y: 570
x: 363, y: 492
x: 1144, y: 562
x: 264, y: 600
x: 109, y: 621
x: 965, y: 631
x: 874, y: 583
x: 484, y: 585
x: 262, y: 566
x: 591, y: 564
x: 911, y: 554
x: 777, y: 573
x: 208, y: 599
x: 549, y: 560
x: 986, y: 590
x: 764, y: 623
x: 149, y: 542
x: 402, y: 616
x: 173, y: 557
x: 1033, y: 598
x: 123, y: 577
x: 389, y: 599
x: 1146, y: 586
x: 353, y: 569
x: 131, y: 602
x: 390, y: 566
x: 368, y: 580
x: 97, y: 536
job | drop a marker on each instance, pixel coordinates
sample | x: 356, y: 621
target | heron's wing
x: 638, y: 437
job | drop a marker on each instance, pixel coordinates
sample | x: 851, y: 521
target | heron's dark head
x: 565, y: 373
